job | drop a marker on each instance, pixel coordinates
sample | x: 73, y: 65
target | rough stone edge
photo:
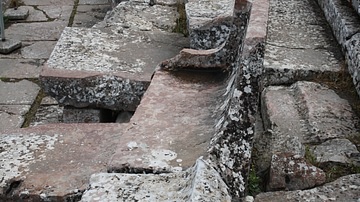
x: 341, y: 18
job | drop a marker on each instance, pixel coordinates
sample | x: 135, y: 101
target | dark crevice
x: 73, y: 13
x: 131, y: 170
x: 12, y: 185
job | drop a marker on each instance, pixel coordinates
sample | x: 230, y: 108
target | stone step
x: 343, y: 189
x: 301, y: 46
x: 198, y: 183
x: 300, y: 117
x: 174, y: 123
x: 110, y: 66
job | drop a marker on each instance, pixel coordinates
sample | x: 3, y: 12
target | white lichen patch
x: 19, y: 151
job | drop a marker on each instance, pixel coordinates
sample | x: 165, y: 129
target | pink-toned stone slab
x: 174, y: 123
x: 54, y: 162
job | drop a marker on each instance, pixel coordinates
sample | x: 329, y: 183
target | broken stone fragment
x: 291, y: 172
x: 344, y: 189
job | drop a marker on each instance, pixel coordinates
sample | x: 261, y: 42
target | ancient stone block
x: 78, y: 115
x: 198, y: 183
x: 18, y: 93
x: 62, y: 157
x: 353, y: 59
x: 115, y: 71
x: 20, y: 68
x: 291, y: 172
x: 20, y: 13
x: 158, y: 139
x: 12, y: 116
x: 344, y: 189
x: 335, y: 151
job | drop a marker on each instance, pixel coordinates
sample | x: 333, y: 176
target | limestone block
x: 343, y: 189
x: 291, y: 172
x: 198, y: 183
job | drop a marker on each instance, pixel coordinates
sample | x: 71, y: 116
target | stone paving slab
x: 92, y: 2
x: 344, y: 189
x: 20, y: 68
x: 89, y: 15
x: 48, y: 2
x: 40, y: 31
x: 38, y: 50
x: 199, y: 183
x: 61, y: 13
x: 174, y: 123
x: 320, y: 114
x: 12, y: 116
x: 54, y: 162
x: 299, y: 48
x: 18, y: 93
x: 35, y: 15
x: 86, y: 62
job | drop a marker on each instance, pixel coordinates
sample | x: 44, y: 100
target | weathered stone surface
x: 47, y: 114
x: 115, y: 71
x: 20, y: 68
x: 78, y: 115
x: 335, y: 151
x: 221, y: 57
x: 38, y: 50
x: 298, y: 46
x: 320, y: 114
x: 49, y: 2
x: 356, y: 5
x: 124, y: 117
x: 344, y: 189
x: 156, y: 139
x: 198, y: 183
x: 12, y: 116
x: 54, y: 162
x: 207, y: 24
x: 9, y: 45
x: 290, y: 171
x: 88, y: 15
x: 136, y: 16
x: 40, y: 31
x: 281, y: 116
x: 18, y: 93
x: 35, y: 15
x: 21, y: 13
x: 342, y: 18
x: 353, y: 59
x: 60, y: 13
x: 91, y: 2
x: 166, y: 2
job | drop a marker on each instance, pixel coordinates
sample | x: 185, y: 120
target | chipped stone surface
x: 299, y: 48
x: 334, y: 151
x: 54, y: 162
x: 345, y: 189
x: 198, y: 183
x: 156, y: 139
x: 11, y: 116
x: 290, y: 171
x: 18, y: 93
x: 47, y: 114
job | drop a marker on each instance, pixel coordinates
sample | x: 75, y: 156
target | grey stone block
x: 78, y: 115
x: 353, y: 59
x: 38, y: 50
x: 20, y: 68
x: 21, y: 13
x: 199, y: 182
x: 18, y: 93
x: 343, y: 189
x: 12, y: 116
x: 9, y: 45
